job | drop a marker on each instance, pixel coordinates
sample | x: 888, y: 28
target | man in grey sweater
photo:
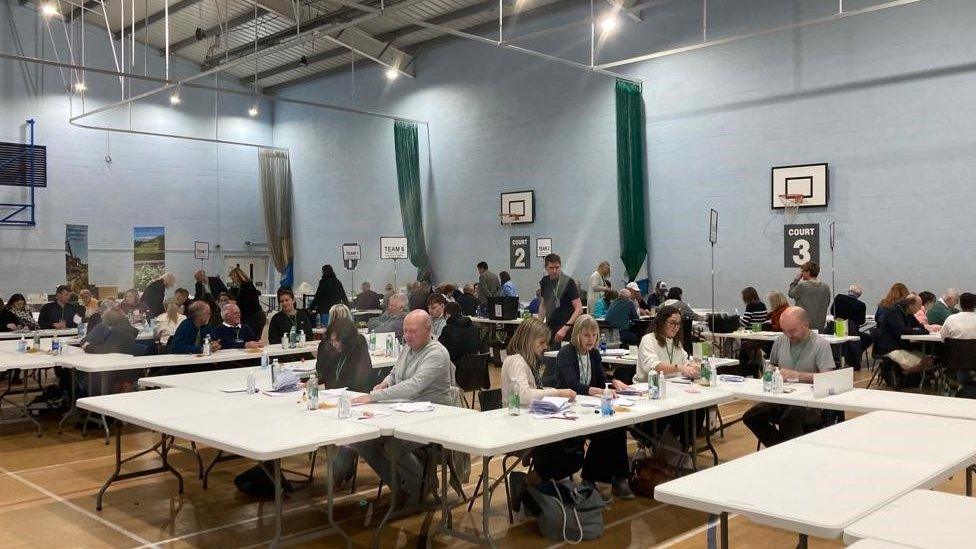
x: 799, y: 353
x: 422, y: 374
x: 811, y: 294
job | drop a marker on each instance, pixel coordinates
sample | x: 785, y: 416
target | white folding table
x: 231, y: 425
x: 43, y: 333
x: 24, y: 362
x: 820, y: 483
x: 771, y: 336
x: 494, y: 433
x: 924, y: 519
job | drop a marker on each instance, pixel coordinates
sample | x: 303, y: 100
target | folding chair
x: 960, y: 363
x: 472, y: 376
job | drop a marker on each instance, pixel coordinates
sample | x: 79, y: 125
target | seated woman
x: 343, y: 358
x: 132, y: 306
x: 16, y: 317
x: 167, y: 322
x: 521, y: 375
x: 288, y: 317
x: 602, y: 304
x: 578, y: 367
x: 777, y: 304
x: 338, y: 311
x: 750, y: 351
x: 661, y: 351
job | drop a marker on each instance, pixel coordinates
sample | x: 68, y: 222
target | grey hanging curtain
x: 630, y: 176
x: 408, y: 183
x: 274, y: 168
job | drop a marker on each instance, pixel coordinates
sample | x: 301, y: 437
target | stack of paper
x: 549, y: 405
x: 410, y: 407
x: 286, y: 382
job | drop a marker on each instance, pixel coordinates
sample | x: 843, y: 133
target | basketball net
x: 508, y: 219
x: 791, y: 206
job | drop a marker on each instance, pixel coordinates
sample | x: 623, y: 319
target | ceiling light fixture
x: 80, y: 86
x: 392, y: 74
x: 175, y: 98
x: 49, y: 10
x: 609, y: 23
x: 253, y: 111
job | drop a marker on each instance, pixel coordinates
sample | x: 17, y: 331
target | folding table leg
x: 486, y: 503
x: 445, y: 508
x: 278, y: 503
x: 802, y: 543
x: 73, y: 408
x: 394, y: 491
x: 969, y: 479
x: 724, y: 534
x: 330, y: 455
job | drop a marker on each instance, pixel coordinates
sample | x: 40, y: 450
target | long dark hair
x: 660, y: 324
x: 345, y: 331
x: 328, y: 272
x: 14, y: 299
x: 749, y: 295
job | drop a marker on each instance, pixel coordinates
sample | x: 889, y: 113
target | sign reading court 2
x: 519, y: 257
x: 801, y: 244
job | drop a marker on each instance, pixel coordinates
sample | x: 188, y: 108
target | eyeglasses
x: 673, y: 323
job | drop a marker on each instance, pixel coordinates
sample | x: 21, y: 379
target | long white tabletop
x: 114, y: 361
x: 922, y: 518
x: 494, y: 433
x: 42, y: 333
x: 483, y: 320
x: 842, y: 472
x: 927, y: 338
x: 771, y: 336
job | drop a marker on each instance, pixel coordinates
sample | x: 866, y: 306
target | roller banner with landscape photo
x: 149, y: 255
x: 76, y: 256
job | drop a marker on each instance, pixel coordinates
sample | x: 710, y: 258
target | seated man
x: 460, y: 336
x: 58, y: 314
x: 944, y: 307
x: 799, y: 353
x: 423, y: 373
x: 619, y: 316
x: 191, y: 333
x: 113, y: 335
x: 392, y: 319
x: 962, y: 325
x: 367, y: 299
x: 898, y: 321
x: 182, y: 295
x: 435, y: 305
x: 232, y: 334
x: 467, y: 301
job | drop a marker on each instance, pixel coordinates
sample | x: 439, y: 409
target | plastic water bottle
x: 292, y: 338
x: 22, y: 345
x: 252, y: 384
x: 372, y: 342
x: 345, y: 405
x: 302, y: 339
x: 653, y: 387
x: 82, y: 329
x: 514, y: 406
x: 767, y: 378
x: 777, y: 381
x: 265, y: 360
x: 312, y: 387
x: 389, y: 346
x: 662, y: 385
x: 603, y: 344
x: 37, y: 341
x: 606, y: 402
x: 705, y: 372
x: 274, y: 374
x: 712, y: 375
x: 206, y: 346
x: 55, y: 345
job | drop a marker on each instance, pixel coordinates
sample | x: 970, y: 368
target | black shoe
x: 516, y: 482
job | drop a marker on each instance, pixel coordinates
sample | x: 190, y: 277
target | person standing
x: 248, y: 298
x: 489, y: 285
x: 207, y: 285
x: 328, y: 293
x: 810, y: 294
x: 561, y: 305
x: 599, y: 283
x: 155, y: 292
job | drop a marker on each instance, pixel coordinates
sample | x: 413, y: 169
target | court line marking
x: 89, y: 514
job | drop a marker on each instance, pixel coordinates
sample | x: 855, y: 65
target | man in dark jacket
x: 849, y: 307
x: 467, y: 301
x: 154, y: 293
x: 211, y: 285
x: 113, y: 335
x: 58, y: 314
x: 192, y: 332
x: 621, y: 313
x: 460, y: 336
x: 367, y: 299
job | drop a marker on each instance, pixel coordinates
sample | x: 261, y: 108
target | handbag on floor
x: 257, y: 483
x: 568, y: 512
x: 646, y: 473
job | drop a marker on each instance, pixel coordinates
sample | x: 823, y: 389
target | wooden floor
x: 48, y: 487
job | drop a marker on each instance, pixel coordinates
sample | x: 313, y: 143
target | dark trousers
x: 558, y: 460
x: 628, y: 338
x: 775, y: 423
x: 606, y: 457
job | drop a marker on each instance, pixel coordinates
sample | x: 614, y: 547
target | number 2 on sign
x: 802, y: 247
x: 520, y: 258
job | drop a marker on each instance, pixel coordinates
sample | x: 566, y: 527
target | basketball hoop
x: 791, y: 205
x: 509, y: 218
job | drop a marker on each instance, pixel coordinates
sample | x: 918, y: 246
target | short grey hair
x: 225, y: 309
x: 855, y: 290
x: 951, y: 292
x: 398, y: 299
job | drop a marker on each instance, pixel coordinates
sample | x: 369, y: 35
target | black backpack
x: 257, y: 483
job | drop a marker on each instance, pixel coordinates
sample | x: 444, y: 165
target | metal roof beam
x: 155, y: 17
x: 624, y: 6
x: 216, y: 30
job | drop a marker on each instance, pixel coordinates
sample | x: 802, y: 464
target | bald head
x: 624, y: 294
x: 795, y: 324
x: 416, y: 329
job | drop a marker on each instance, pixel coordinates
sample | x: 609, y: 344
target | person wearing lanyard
x: 234, y: 335
x: 660, y: 350
x: 343, y: 358
x: 192, y: 332
x: 799, y: 353
x: 561, y: 304
x: 578, y: 367
x: 287, y: 318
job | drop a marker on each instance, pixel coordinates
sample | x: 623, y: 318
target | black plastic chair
x: 490, y: 400
x: 472, y: 376
x: 960, y: 362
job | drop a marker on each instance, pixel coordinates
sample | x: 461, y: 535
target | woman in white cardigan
x: 521, y: 369
x: 661, y: 349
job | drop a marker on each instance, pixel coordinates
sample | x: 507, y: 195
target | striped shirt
x: 755, y: 312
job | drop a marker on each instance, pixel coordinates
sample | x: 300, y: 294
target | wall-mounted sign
x: 543, y: 247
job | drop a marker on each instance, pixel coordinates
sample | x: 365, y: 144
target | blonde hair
x: 240, y: 275
x: 523, y: 340
x: 338, y: 311
x: 172, y: 310
x: 584, y: 322
x: 776, y: 300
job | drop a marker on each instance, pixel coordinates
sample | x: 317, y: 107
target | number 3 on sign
x: 802, y: 255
